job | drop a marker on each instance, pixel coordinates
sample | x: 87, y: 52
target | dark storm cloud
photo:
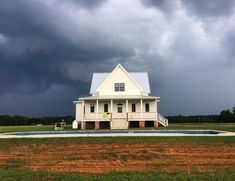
x: 163, y: 5
x: 49, y: 49
x: 209, y: 8
x: 34, y: 52
x: 88, y: 3
x: 229, y: 41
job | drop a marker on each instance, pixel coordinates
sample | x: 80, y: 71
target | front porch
x: 118, y: 113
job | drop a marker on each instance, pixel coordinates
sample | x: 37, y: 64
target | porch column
x: 142, y: 122
x: 83, y: 102
x: 111, y: 106
x: 141, y: 109
x: 127, y: 106
x: 97, y: 109
x: 127, y: 110
x: 156, y: 122
x: 83, y: 123
x: 97, y: 125
x: 111, y: 111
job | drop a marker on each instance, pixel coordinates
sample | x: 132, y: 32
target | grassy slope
x: 16, y: 175
x: 217, y: 126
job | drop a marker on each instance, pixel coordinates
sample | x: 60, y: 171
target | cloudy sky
x: 49, y: 49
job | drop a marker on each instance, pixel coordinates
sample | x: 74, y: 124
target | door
x: 119, y: 119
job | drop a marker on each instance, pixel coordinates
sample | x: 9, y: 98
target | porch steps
x: 162, y: 120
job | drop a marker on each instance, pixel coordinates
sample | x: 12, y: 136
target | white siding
x: 119, y: 76
x: 79, y: 111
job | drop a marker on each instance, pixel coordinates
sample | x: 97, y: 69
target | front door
x: 119, y: 119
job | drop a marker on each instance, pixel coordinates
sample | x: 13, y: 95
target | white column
x: 97, y: 109
x: 156, y: 108
x: 111, y: 110
x: 127, y: 106
x: 141, y: 109
x: 111, y: 106
x: 83, y: 109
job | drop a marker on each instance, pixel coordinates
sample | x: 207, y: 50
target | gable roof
x: 140, y: 77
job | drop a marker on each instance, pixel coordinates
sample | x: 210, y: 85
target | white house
x: 119, y: 100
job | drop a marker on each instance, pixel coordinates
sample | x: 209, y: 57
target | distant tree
x: 226, y: 116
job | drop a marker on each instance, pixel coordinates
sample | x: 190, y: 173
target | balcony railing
x: 100, y: 116
x: 129, y: 116
x: 145, y: 115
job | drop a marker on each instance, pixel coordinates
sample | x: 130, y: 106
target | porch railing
x: 100, y: 116
x: 162, y: 120
x: 145, y: 115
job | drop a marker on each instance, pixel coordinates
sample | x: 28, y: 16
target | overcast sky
x: 50, y: 48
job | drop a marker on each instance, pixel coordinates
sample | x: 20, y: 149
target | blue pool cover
x: 188, y: 132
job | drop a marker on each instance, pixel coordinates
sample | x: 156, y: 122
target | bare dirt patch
x: 105, y: 157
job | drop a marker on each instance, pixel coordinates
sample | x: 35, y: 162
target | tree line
x: 6, y: 120
x: 225, y: 116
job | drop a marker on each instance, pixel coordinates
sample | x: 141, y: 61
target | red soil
x: 104, y: 157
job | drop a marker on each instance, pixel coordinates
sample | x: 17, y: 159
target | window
x: 116, y: 85
x: 92, y: 108
x: 133, y: 107
x: 106, y: 108
x: 147, y: 107
x: 119, y: 108
x: 122, y: 87
x: 119, y: 87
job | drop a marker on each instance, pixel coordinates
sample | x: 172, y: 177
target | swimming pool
x: 115, y: 133
x: 188, y: 132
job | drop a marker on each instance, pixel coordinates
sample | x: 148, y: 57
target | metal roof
x: 140, y: 77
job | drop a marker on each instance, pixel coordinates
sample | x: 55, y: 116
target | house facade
x: 119, y: 100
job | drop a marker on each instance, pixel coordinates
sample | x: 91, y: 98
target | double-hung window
x: 147, y: 107
x: 92, y: 108
x: 133, y: 107
x: 116, y: 87
x: 119, y: 87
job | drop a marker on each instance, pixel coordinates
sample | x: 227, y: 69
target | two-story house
x: 119, y: 100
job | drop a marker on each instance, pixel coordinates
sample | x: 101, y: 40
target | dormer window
x: 119, y: 87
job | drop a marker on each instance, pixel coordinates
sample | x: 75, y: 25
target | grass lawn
x: 216, y: 126
x: 24, y: 175
x: 14, y: 170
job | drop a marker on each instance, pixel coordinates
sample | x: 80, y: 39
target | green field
x: 14, y: 171
x: 215, y: 126
x: 23, y: 175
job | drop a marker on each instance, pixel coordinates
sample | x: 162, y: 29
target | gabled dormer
x: 120, y: 82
